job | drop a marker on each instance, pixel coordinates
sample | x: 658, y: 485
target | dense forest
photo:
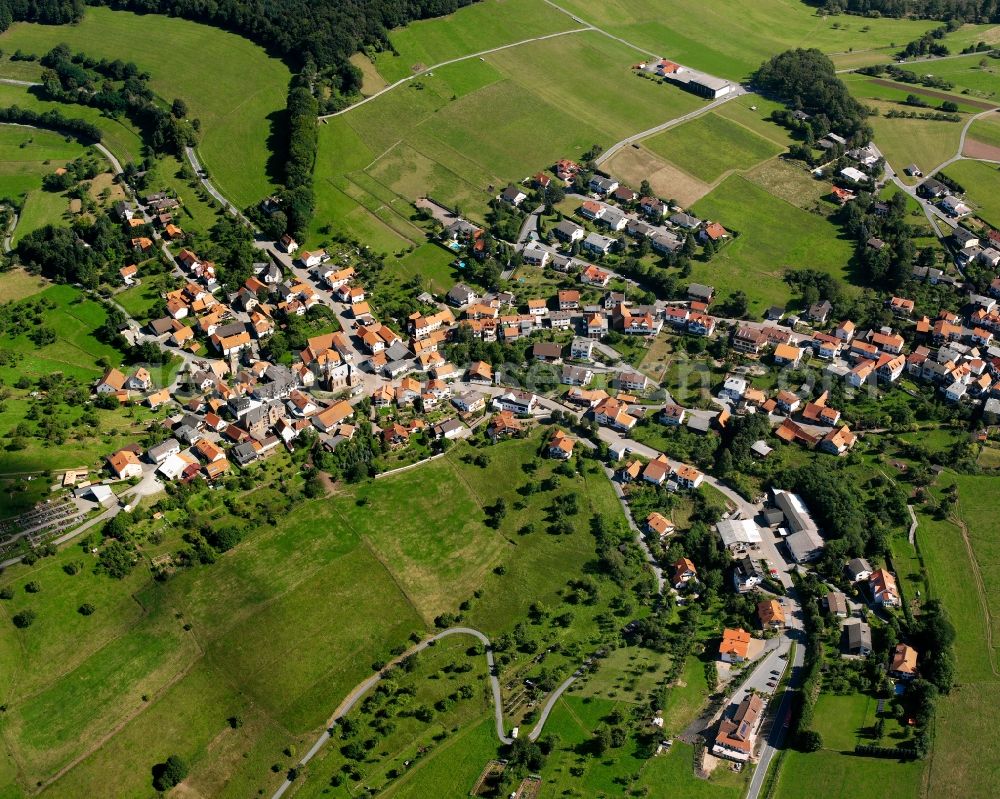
x: 965, y: 10
x: 807, y: 80
x: 327, y: 32
x: 51, y: 12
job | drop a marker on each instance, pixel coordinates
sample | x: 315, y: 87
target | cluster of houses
x: 155, y: 209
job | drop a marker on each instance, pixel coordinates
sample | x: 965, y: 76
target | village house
x: 771, y: 614
x: 515, y: 401
x: 738, y: 731
x: 883, y: 588
x: 125, y: 465
x: 903, y: 662
x: 561, y: 445
x: 684, y: 573
x: 856, y: 638
x: 735, y: 645
x: 658, y: 524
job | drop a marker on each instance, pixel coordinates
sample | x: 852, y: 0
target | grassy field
x: 211, y: 77
x: 26, y: 156
x: 478, y: 124
x: 982, y: 185
x: 774, y: 236
x: 16, y: 284
x: 728, y: 39
x: 711, y: 145
x: 431, y: 263
x: 277, y: 631
x: 975, y: 75
x: 472, y: 29
x: 834, y: 775
x: 74, y: 319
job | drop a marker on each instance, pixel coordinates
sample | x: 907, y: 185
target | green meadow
x: 711, y: 145
x: 774, y: 236
x: 208, y: 68
x: 472, y: 29
x: 731, y: 39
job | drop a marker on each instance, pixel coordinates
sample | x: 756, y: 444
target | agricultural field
x: 711, y: 146
x: 279, y: 592
x: 728, y: 39
x: 204, y: 66
x: 16, y: 284
x: 986, y: 130
x: 476, y: 125
x: 981, y: 182
x: 774, y: 236
x: 472, y: 29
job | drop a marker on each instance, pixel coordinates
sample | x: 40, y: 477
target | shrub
x: 24, y: 619
x: 169, y: 773
x: 85, y: 609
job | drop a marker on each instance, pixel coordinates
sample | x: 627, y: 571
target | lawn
x: 833, y: 775
x: 981, y: 182
x: 474, y: 125
x: 472, y: 29
x: 211, y: 77
x: 711, y: 145
x: 774, y: 236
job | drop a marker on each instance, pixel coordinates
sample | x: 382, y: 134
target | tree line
x: 87, y: 132
x: 965, y: 10
x: 48, y: 12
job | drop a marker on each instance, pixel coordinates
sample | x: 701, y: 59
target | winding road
x: 366, y: 685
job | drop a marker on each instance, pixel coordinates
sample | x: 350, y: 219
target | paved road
x: 440, y: 64
x: 365, y: 686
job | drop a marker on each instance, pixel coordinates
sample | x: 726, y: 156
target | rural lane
x: 366, y: 685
